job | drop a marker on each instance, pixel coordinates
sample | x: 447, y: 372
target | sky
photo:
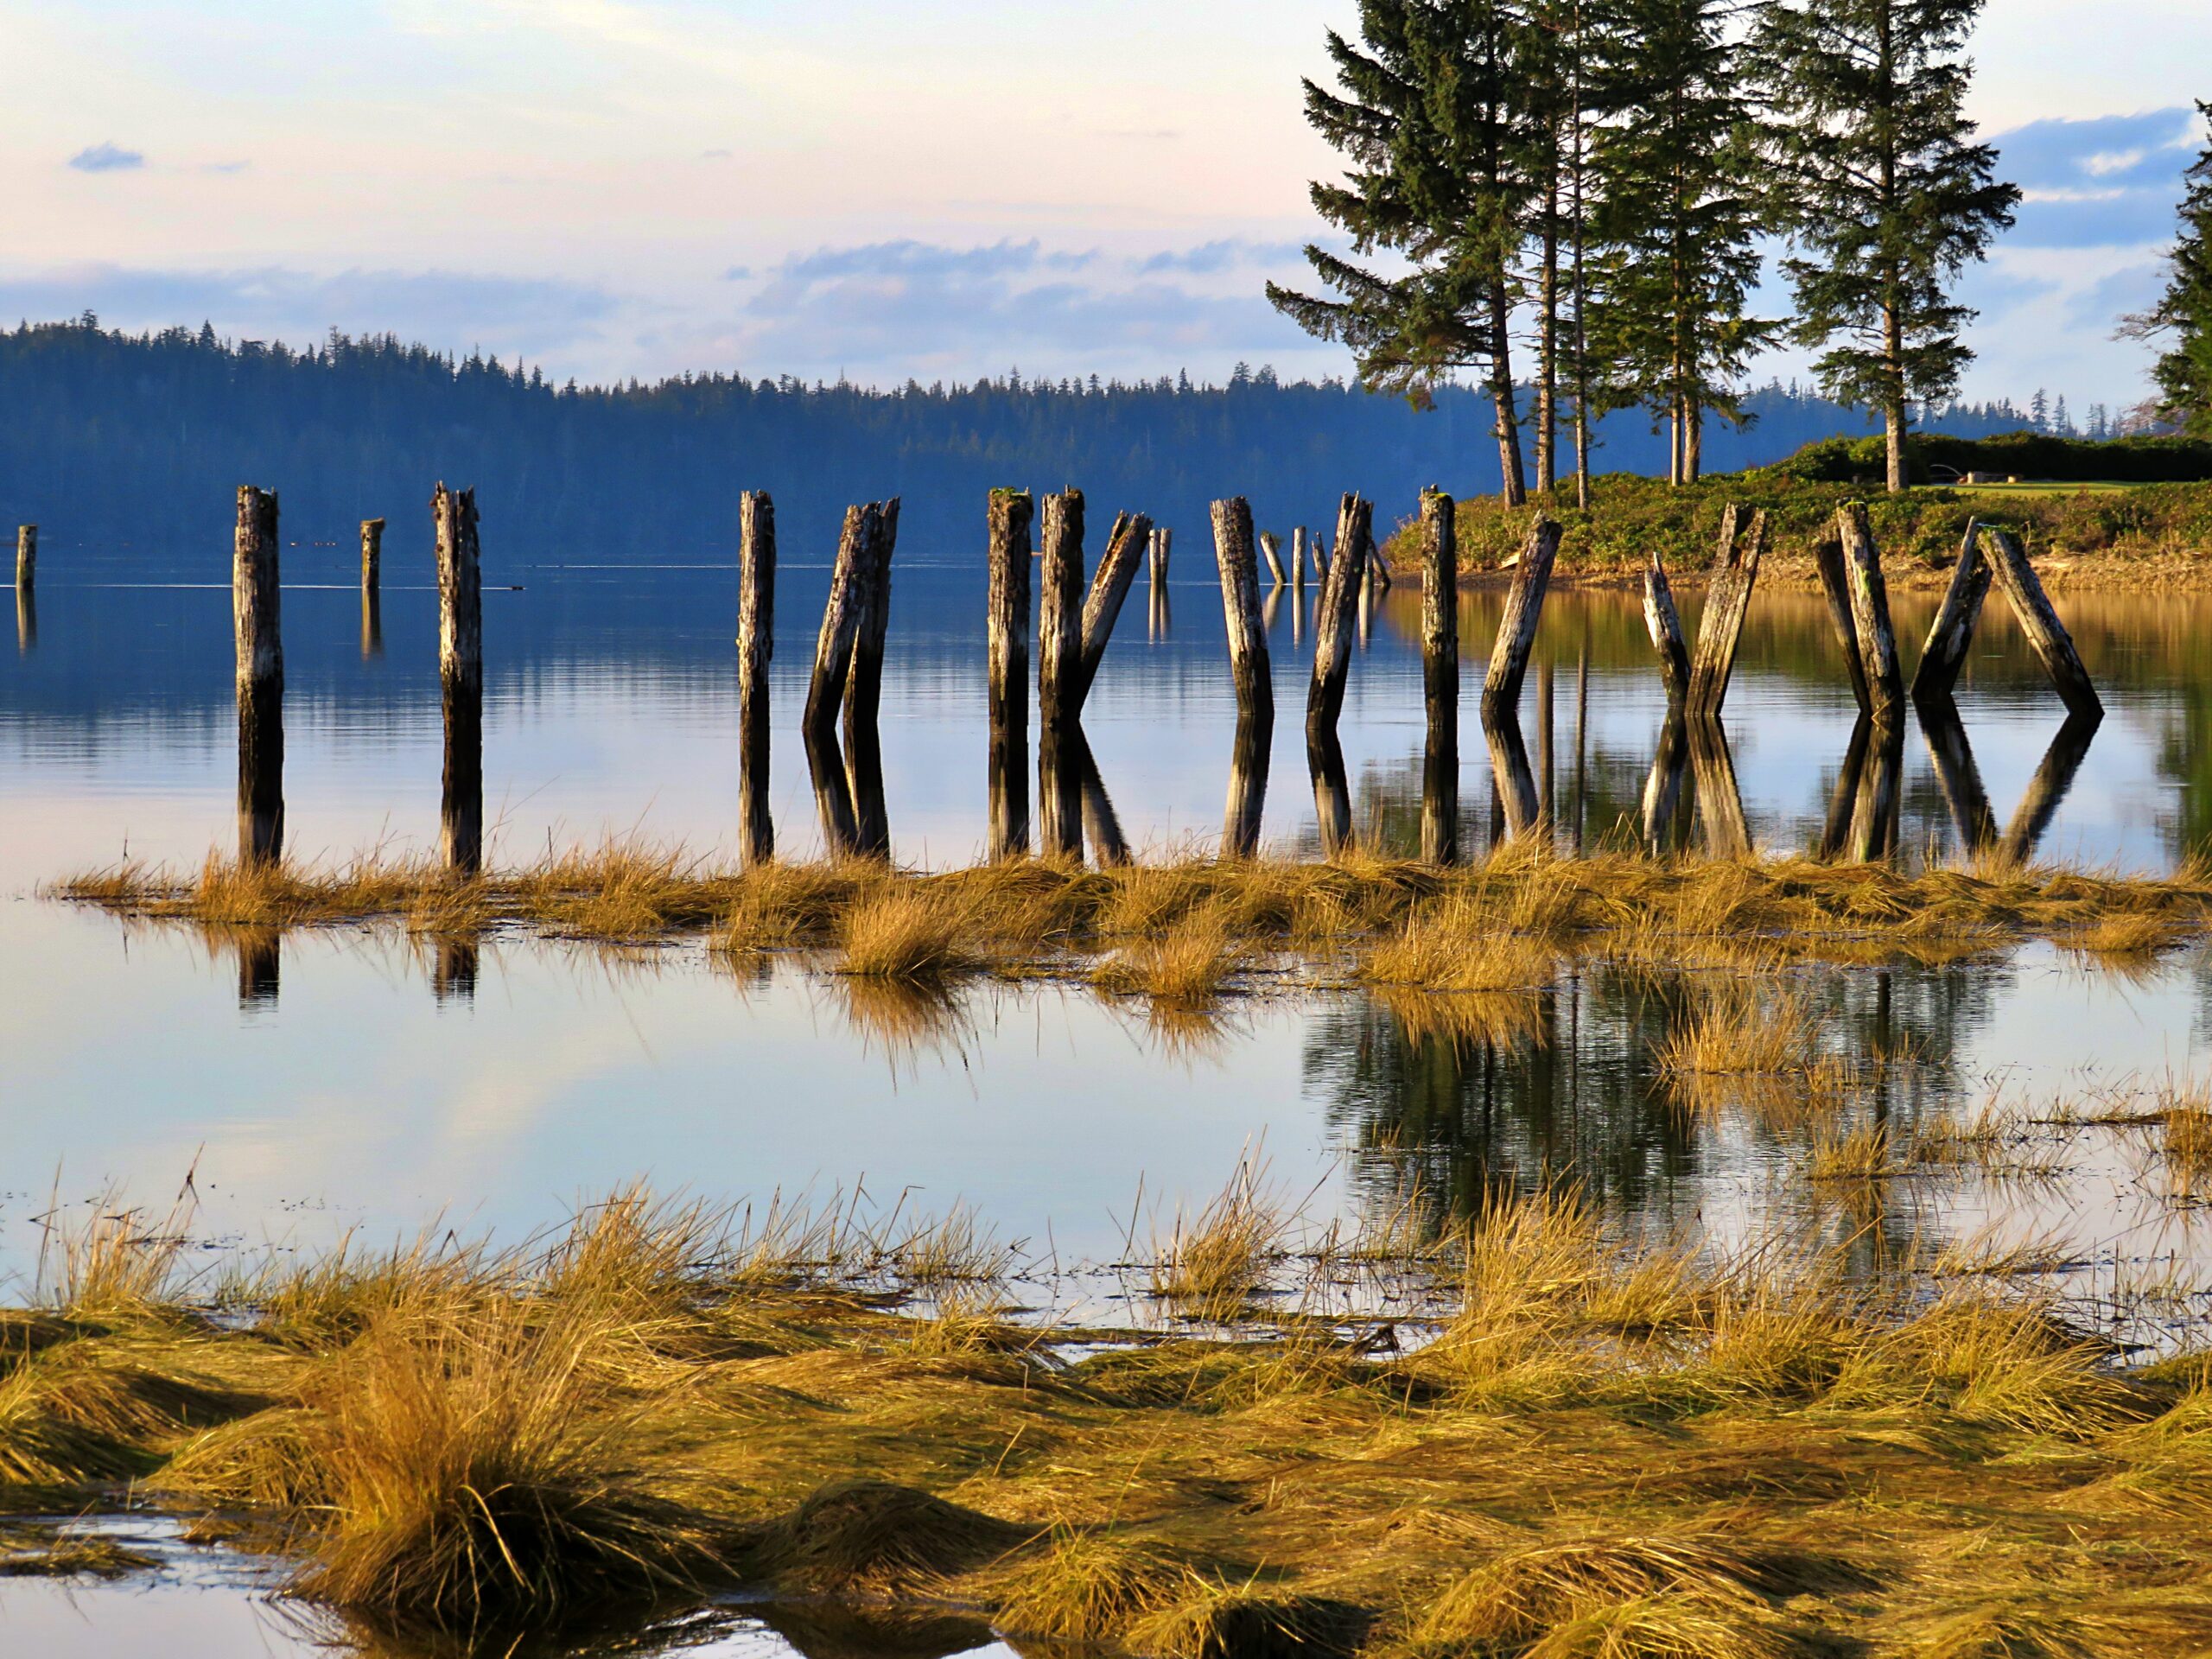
x: 637, y: 188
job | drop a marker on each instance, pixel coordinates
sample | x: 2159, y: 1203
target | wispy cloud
x: 2108, y: 181
x: 107, y: 158
x: 1231, y: 253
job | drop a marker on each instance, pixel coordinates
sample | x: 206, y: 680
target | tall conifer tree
x: 1434, y: 121
x: 1886, y: 194
x: 2183, y: 315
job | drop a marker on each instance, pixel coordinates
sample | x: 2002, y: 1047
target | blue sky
x: 637, y: 187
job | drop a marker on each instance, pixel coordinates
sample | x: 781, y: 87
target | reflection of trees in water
x: 1450, y: 1121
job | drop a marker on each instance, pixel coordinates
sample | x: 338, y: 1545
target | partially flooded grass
x: 1496, y: 926
x: 1605, y: 1447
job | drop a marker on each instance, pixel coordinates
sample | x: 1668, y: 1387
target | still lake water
x: 363, y: 1089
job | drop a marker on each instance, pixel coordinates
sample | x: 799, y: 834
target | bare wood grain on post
x: 1240, y: 601
x: 1950, y: 637
x: 1110, y: 587
x: 1010, y: 517
x: 1060, y: 617
x: 1664, y: 623
x: 1517, y: 628
x: 1728, y: 602
x: 1271, y: 550
x: 256, y: 616
x: 371, y: 555
x: 864, y: 686
x: 1870, y: 614
x: 1332, y: 625
x: 1440, y: 675
x: 756, y: 649
x: 1298, y: 555
x: 26, y: 558
x: 460, y: 676
x: 841, y: 620
x: 1835, y: 587
x: 2047, y: 635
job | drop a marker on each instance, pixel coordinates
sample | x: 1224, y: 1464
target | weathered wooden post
x: 1332, y: 624
x: 257, y: 615
x: 1319, y: 548
x: 864, y: 686
x: 1835, y: 587
x: 371, y: 555
x: 841, y: 620
x: 1951, y: 635
x: 756, y: 649
x: 1011, y: 513
x: 1101, y: 608
x: 461, y: 676
x: 1664, y: 623
x: 1163, y: 548
x: 1870, y: 614
x: 2047, y: 635
x: 1517, y: 628
x: 1298, y: 535
x: 1271, y: 550
x: 26, y: 558
x: 1728, y: 602
x: 1234, y: 554
x: 1440, y: 675
x: 1059, y: 617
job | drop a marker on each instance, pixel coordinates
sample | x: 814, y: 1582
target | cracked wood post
x: 1870, y: 614
x: 1951, y: 635
x: 1517, y: 628
x: 1297, y: 540
x: 1664, y: 624
x: 1319, y: 548
x: 1011, y: 514
x: 2047, y: 635
x: 1110, y: 587
x: 26, y: 558
x: 1728, y: 602
x: 371, y: 555
x: 1238, y: 564
x: 841, y: 619
x: 864, y: 688
x: 1060, y: 616
x: 1828, y: 560
x: 1333, y: 625
x: 1440, y: 676
x: 461, y: 676
x: 756, y: 649
x: 1271, y: 550
x: 256, y: 616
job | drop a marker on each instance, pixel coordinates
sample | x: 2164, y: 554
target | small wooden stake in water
x: 258, y: 621
x: 371, y: 555
x: 26, y: 558
x: 1728, y: 602
x: 1951, y: 635
x: 1059, y: 617
x: 2047, y: 635
x: 1008, y: 622
x: 1870, y: 614
x: 1333, y: 623
x: 1517, y: 628
x: 461, y: 675
x: 756, y: 649
x: 1440, y: 673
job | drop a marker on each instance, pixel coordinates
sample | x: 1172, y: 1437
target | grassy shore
x: 1542, y: 1442
x: 1183, y: 930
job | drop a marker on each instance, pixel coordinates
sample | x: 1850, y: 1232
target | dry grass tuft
x: 1458, y: 946
x: 914, y: 934
x: 1186, y: 965
x: 1216, y: 1619
x: 1092, y: 1586
x: 1738, y: 1032
x: 1213, y: 1264
x: 879, y: 1535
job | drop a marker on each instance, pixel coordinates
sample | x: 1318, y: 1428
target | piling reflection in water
x: 260, y: 952
x: 1516, y: 810
x: 460, y: 807
x: 26, y: 620
x: 2054, y: 780
x: 1248, y: 783
x: 454, y: 967
x: 832, y: 791
x: 371, y: 624
x: 1325, y: 760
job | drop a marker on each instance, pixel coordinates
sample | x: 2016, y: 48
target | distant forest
x: 108, y: 438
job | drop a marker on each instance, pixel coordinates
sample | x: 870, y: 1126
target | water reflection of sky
x: 360, y: 1098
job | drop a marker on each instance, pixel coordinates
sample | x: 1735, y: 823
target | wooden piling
x: 461, y: 676
x: 1439, y: 675
x: 1060, y: 616
x: 1727, y: 603
x: 371, y: 555
x: 1110, y: 587
x: 1163, y: 549
x: 1517, y: 628
x: 1011, y: 514
x: 1332, y: 623
x: 1240, y: 599
x: 840, y: 621
x: 257, y: 614
x: 2047, y: 635
x: 1870, y: 614
x: 1835, y: 587
x: 1950, y: 637
x: 26, y: 558
x: 756, y: 649
x: 1664, y: 624
x: 864, y: 686
x: 1298, y: 556
x: 1271, y: 550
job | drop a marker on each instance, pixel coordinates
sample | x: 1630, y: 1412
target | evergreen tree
x: 1678, y: 168
x: 1885, y: 194
x: 2039, y: 410
x: 2184, y: 313
x: 1434, y: 120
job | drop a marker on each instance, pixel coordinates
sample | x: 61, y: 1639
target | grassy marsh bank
x: 1539, y: 1440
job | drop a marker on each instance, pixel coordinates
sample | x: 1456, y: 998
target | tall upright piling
x: 371, y: 555
x: 1333, y: 625
x: 1297, y: 540
x: 1870, y: 614
x: 461, y: 676
x: 1517, y: 628
x: 1664, y: 624
x: 257, y: 615
x: 26, y: 558
x: 1234, y: 554
x: 864, y: 686
x: 1727, y: 603
x: 756, y: 649
x: 1059, y: 613
x: 1011, y: 514
x: 842, y: 614
x: 1439, y: 675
